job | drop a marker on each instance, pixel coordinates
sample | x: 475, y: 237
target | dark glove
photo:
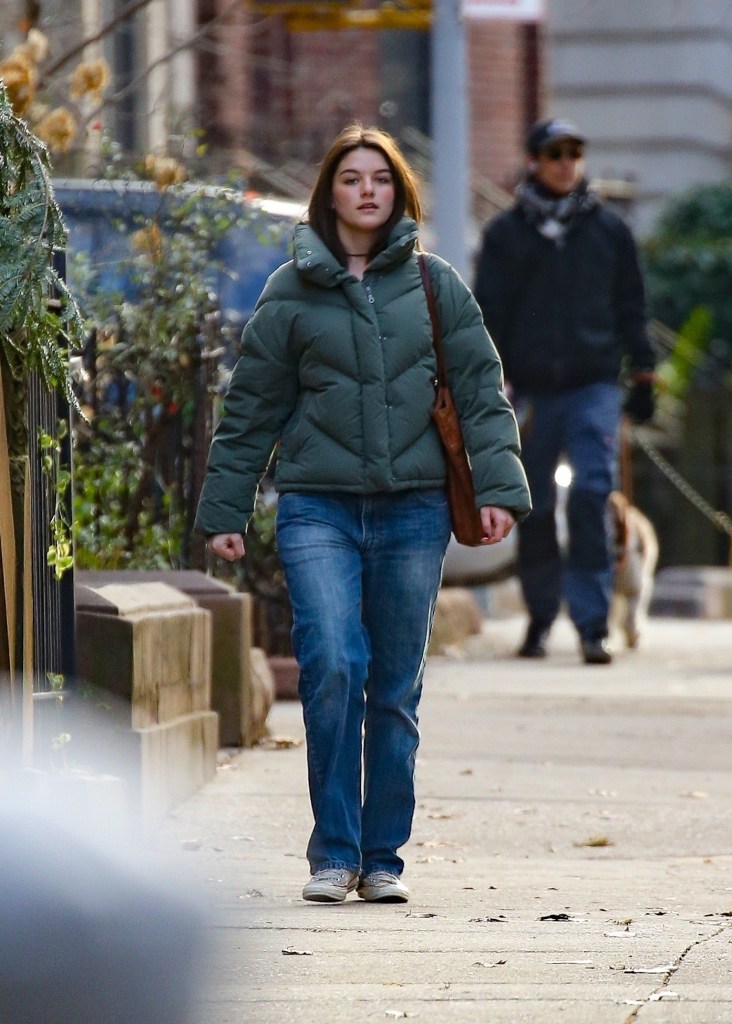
x: 640, y: 401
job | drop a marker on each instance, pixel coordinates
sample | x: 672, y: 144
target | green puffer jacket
x: 341, y: 372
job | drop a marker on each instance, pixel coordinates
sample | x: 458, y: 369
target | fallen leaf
x: 496, y: 963
x: 555, y: 917
x: 398, y: 1014
x: 488, y: 920
x: 291, y: 951
x: 251, y: 893
x: 596, y: 841
x: 279, y: 742
x: 412, y: 913
x: 468, y: 771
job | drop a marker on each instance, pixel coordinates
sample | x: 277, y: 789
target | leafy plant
x: 689, y: 267
x: 32, y: 330
x: 59, y: 555
x: 154, y: 363
x: 38, y: 315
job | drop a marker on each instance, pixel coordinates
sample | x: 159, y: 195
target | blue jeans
x: 362, y: 573
x: 580, y: 425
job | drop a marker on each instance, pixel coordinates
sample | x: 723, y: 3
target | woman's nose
x: 367, y: 186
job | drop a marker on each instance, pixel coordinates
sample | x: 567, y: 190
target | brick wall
x: 335, y: 80
x: 286, y: 94
x: 223, y: 75
x: 497, y: 99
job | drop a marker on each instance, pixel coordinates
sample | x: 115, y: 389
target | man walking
x: 562, y: 296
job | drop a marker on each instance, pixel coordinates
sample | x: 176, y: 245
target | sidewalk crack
x: 658, y: 992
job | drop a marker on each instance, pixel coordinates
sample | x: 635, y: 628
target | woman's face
x: 363, y: 191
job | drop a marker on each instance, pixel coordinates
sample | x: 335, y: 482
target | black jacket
x: 563, y: 315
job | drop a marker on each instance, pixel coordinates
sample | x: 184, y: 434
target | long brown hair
x: 321, y: 215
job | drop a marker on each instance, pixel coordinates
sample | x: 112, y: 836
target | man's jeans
x: 362, y: 573
x: 582, y: 426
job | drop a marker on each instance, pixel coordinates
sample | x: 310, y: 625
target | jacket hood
x: 317, y: 263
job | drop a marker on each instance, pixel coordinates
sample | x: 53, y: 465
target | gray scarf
x: 551, y: 215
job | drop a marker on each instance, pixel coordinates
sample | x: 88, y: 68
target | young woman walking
x: 337, y: 366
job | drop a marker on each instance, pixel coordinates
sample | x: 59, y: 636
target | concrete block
x: 176, y: 758
x: 457, y: 616
x: 232, y: 683
x: 695, y: 591
x: 231, y: 672
x: 148, y: 643
x: 286, y: 672
x: 262, y: 693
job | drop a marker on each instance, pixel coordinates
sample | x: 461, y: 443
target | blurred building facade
x: 268, y: 97
x: 288, y: 92
x: 651, y: 84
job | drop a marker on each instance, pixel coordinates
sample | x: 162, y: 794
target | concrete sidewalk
x: 571, y: 859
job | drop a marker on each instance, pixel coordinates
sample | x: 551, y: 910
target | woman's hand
x: 227, y: 545
x: 497, y: 523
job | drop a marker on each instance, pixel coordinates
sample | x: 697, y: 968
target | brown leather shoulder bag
x: 466, y: 522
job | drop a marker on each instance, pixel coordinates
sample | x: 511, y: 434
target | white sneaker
x: 382, y: 887
x: 331, y: 885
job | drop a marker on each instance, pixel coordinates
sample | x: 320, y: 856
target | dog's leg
x: 642, y: 566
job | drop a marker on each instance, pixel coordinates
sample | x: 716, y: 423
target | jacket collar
x: 318, y: 264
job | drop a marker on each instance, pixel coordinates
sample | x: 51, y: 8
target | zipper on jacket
x: 369, y: 293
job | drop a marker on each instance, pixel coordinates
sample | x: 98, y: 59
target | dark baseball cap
x: 543, y: 133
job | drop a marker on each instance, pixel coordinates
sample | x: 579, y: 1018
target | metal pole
x: 449, y: 134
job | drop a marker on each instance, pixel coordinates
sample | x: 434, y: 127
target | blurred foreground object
x: 86, y: 938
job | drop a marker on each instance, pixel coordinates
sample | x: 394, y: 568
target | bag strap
x: 434, y: 317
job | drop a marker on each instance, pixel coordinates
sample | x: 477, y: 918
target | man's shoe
x: 382, y: 887
x: 596, y: 651
x: 534, y: 646
x: 331, y: 885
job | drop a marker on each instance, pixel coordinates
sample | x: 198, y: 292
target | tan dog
x: 636, y: 547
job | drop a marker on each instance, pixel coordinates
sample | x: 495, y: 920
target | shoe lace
x: 332, y: 875
x: 380, y: 876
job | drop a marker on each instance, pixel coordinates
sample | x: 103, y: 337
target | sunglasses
x: 569, y: 152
